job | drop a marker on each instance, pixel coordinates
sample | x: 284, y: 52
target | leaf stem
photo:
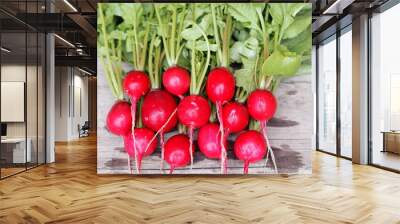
x: 142, y: 59
x: 206, y: 64
x: 172, y: 38
x: 111, y: 77
x: 226, y: 41
x: 163, y: 36
x: 216, y: 34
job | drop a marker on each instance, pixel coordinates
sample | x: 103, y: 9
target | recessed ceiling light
x: 64, y: 40
x: 337, y: 7
x: 70, y: 5
x: 84, y: 71
x: 5, y: 50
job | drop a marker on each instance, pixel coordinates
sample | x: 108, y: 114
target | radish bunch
x: 183, y: 78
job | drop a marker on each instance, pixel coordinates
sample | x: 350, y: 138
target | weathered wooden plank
x: 290, y: 135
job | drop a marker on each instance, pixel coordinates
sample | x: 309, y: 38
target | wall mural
x: 204, y: 88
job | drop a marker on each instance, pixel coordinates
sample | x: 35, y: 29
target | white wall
x: 71, y: 93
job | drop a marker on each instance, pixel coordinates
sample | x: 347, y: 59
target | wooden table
x: 391, y: 141
x: 18, y: 149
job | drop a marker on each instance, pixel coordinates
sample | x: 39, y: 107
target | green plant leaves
x: 299, y: 25
x: 247, y: 49
x: 281, y: 63
x: 245, y: 77
x: 247, y: 14
x: 301, y: 43
x: 269, y: 41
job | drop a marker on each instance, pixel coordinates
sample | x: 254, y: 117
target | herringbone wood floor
x: 69, y: 191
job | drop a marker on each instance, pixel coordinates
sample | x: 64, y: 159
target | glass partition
x: 385, y: 89
x: 14, y: 155
x: 327, y: 96
x: 22, y: 77
x: 346, y: 93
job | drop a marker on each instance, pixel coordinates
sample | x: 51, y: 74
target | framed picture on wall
x: 193, y: 88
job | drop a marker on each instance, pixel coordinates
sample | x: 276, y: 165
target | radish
x: 141, y: 141
x: 159, y: 107
x: 193, y: 112
x: 234, y: 117
x: 220, y: 86
x: 135, y: 85
x: 262, y: 106
x: 250, y: 148
x: 209, y: 142
x: 119, y: 118
x: 119, y: 122
x: 159, y: 114
x: 177, y: 151
x: 176, y: 80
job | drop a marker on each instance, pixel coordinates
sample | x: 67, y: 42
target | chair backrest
x: 86, y: 125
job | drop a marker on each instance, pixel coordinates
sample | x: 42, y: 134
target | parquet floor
x: 69, y: 191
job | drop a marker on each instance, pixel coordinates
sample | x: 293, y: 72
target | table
x: 18, y: 150
x: 391, y: 141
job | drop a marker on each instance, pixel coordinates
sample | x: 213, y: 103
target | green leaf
x: 277, y: 12
x: 192, y: 33
x: 117, y: 34
x: 299, y: 25
x: 281, y: 62
x: 130, y: 12
x: 301, y: 43
x: 245, y: 76
x: 294, y: 8
x: 248, y: 49
x: 246, y: 13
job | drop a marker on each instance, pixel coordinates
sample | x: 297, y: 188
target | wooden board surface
x: 290, y: 133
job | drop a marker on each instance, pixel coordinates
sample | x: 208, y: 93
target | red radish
x: 119, y: 122
x: 119, y: 118
x: 209, y: 141
x: 250, y: 147
x: 220, y: 85
x: 177, y: 151
x: 235, y: 117
x: 159, y: 114
x: 193, y: 112
x: 220, y: 89
x: 157, y: 106
x: 262, y: 106
x: 176, y: 80
x: 142, y: 140
x: 136, y: 84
